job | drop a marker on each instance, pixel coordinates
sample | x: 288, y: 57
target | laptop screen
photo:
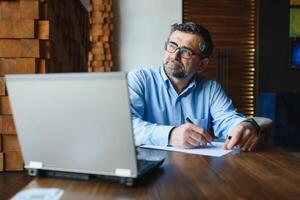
x: 75, y: 122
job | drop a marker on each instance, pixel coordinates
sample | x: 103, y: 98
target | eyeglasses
x: 171, y: 47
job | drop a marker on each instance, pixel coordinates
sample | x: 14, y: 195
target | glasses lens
x: 186, y: 53
x: 171, y: 47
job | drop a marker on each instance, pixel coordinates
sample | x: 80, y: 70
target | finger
x: 226, y: 142
x: 235, y: 137
x: 249, y: 142
x: 203, y: 141
x: 187, y: 145
x: 244, y: 138
x: 207, y: 136
x: 201, y: 131
x: 191, y: 143
x: 253, y: 145
x: 196, y: 136
x: 199, y: 138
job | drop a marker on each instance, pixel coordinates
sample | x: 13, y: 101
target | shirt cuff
x: 160, y: 135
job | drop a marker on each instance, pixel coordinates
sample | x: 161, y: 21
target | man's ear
x: 203, y: 64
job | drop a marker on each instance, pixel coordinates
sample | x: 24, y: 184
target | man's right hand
x: 188, y: 136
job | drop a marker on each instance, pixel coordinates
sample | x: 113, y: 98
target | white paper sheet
x: 216, y: 149
x: 39, y: 194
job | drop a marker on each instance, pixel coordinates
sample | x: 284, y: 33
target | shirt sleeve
x: 224, y: 115
x: 144, y: 132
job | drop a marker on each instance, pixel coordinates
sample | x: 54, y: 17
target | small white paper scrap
x: 39, y: 194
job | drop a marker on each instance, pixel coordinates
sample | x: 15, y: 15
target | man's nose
x: 176, y: 55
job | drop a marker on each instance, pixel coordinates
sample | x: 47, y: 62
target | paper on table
x: 217, y: 149
x: 39, y: 194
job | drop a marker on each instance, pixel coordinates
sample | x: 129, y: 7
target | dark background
x: 274, y: 69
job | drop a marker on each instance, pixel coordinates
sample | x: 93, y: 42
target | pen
x: 190, y: 121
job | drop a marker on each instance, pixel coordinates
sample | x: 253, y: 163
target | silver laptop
x: 75, y: 124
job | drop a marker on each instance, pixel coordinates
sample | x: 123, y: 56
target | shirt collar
x: 191, y: 85
x: 164, y: 75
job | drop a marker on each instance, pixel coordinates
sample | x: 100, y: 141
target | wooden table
x: 12, y: 182
x: 268, y: 174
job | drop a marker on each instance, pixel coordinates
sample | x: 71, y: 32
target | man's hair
x: 206, y: 47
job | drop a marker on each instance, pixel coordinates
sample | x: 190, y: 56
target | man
x: 175, y: 105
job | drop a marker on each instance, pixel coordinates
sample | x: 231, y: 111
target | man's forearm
x: 150, y: 133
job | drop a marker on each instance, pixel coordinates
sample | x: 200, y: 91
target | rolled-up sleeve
x: 144, y: 132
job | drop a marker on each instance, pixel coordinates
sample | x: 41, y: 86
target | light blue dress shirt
x: 156, y: 107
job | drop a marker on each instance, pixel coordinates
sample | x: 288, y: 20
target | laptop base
x: 144, y: 165
x: 59, y: 174
x: 127, y: 181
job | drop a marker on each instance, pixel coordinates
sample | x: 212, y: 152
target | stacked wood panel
x: 101, y: 26
x: 37, y: 37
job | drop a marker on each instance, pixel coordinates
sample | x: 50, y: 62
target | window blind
x: 232, y: 24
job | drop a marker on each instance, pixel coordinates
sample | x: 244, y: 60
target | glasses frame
x: 181, y: 49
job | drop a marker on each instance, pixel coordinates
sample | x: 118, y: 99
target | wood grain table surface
x: 267, y: 174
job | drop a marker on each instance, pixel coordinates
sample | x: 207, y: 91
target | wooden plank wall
x: 101, y: 26
x: 37, y: 37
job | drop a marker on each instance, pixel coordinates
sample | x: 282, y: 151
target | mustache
x: 176, y: 62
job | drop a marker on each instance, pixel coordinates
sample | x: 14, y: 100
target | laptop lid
x: 74, y: 122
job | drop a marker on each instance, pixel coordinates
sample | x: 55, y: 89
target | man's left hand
x: 244, y: 136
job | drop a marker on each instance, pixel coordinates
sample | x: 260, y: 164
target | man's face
x: 177, y: 65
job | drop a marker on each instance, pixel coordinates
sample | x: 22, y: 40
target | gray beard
x: 180, y: 74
